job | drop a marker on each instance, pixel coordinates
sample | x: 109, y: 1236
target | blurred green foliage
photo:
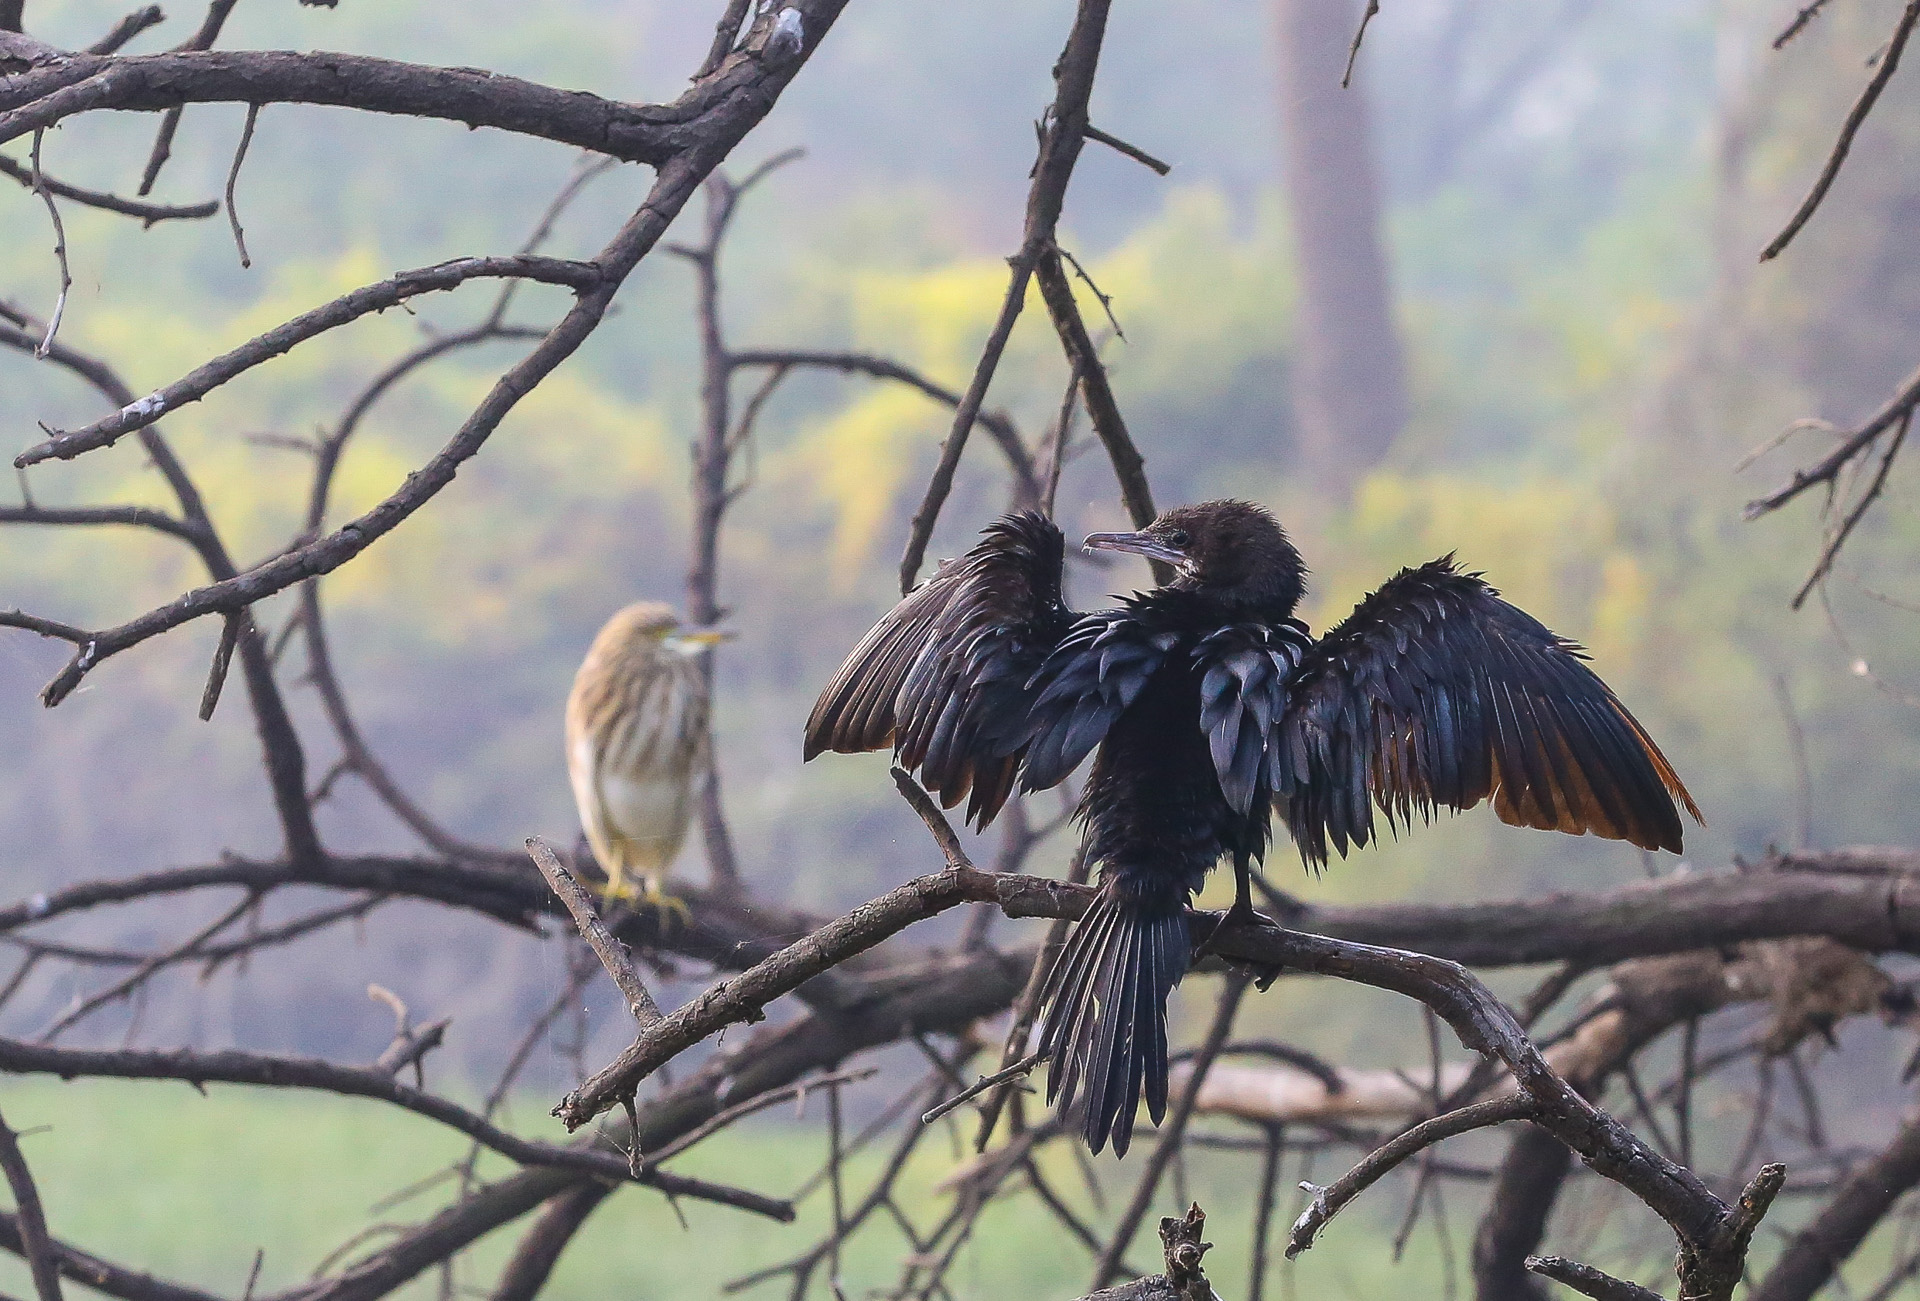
x: 200, y: 1163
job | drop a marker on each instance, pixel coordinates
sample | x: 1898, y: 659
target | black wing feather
x: 1096, y: 671
x: 1244, y: 674
x: 1437, y: 693
x: 944, y: 678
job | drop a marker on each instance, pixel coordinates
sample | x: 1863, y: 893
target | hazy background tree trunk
x: 1350, y: 388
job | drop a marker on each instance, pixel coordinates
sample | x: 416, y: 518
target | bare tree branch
x: 741, y: 998
x: 996, y: 423
x: 1806, y: 15
x: 725, y: 33
x: 30, y: 1219
x: 127, y: 28
x: 1171, y: 1134
x: 98, y: 1274
x: 38, y: 182
x: 202, y: 39
x: 130, y: 516
x: 152, y: 82
x: 1184, y: 1279
x: 1889, y: 61
x: 1359, y: 35
x: 281, y: 339
x: 1129, y: 467
x: 1838, y: 537
x: 613, y: 955
x: 942, y: 994
x: 1815, y: 1253
x: 232, y: 1067
x: 149, y: 212
x: 1331, y: 1200
x: 1588, y: 1281
x: 45, y: 627
x: 540, y: 1248
x: 233, y: 181
x: 1063, y: 131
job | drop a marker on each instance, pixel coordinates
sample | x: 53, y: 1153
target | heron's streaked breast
x: 654, y: 721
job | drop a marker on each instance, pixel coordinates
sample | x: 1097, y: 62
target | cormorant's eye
x: 1178, y: 537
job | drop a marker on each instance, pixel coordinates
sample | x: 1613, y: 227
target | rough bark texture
x: 1184, y: 1279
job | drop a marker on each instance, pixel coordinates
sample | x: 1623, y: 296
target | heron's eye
x: 1178, y: 537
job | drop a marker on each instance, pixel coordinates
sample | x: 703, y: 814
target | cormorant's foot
x: 1242, y: 914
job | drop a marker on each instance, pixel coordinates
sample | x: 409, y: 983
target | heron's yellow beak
x: 709, y: 636
x: 696, y: 639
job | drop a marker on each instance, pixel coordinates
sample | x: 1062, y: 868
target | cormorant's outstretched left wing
x: 1435, y: 692
x: 944, y: 677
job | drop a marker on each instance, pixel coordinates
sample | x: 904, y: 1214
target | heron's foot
x: 649, y: 894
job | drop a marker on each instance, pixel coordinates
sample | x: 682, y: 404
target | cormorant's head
x: 1233, y: 550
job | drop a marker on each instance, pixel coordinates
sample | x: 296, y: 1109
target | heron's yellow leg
x: 618, y: 888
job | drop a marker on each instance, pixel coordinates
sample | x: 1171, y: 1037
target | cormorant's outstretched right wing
x: 1435, y: 692
x: 945, y: 676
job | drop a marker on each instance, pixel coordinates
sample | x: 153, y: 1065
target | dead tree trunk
x: 1349, y: 382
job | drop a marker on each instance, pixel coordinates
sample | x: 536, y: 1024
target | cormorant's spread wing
x: 944, y: 677
x: 1435, y: 692
x: 1244, y: 689
x: 1087, y: 682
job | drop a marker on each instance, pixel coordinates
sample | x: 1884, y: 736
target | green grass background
x: 159, y: 1178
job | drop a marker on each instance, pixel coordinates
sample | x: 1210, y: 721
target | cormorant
x: 1211, y: 707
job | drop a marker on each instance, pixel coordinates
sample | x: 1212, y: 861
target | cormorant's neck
x: 1187, y: 600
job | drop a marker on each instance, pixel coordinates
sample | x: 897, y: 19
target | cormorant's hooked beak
x: 1138, y: 544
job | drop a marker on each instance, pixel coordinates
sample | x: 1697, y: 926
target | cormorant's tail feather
x: 1106, y: 1015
